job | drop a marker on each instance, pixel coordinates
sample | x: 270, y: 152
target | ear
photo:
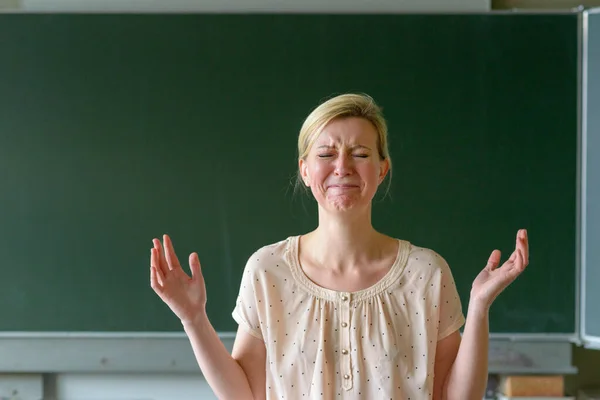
x: 384, y: 168
x: 304, y: 172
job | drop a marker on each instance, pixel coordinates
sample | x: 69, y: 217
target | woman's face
x: 343, y: 168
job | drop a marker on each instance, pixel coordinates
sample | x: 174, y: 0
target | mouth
x: 343, y: 186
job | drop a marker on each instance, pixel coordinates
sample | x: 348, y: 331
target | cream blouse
x: 376, y: 343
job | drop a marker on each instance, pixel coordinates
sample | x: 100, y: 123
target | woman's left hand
x: 491, y: 281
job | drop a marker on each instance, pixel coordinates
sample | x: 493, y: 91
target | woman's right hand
x: 185, y: 295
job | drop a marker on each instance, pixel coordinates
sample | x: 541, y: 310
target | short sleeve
x: 451, y: 316
x: 246, y: 312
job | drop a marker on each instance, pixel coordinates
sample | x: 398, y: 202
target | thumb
x: 195, y: 266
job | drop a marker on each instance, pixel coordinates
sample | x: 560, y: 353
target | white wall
x: 131, y: 387
x: 21, y: 386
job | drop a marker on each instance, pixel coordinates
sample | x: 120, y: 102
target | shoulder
x: 425, y: 261
x: 272, y: 256
x: 425, y: 255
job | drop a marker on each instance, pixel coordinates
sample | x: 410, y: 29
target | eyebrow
x: 358, y: 146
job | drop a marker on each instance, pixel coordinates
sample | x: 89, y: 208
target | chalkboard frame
x: 62, y: 351
x: 590, y: 180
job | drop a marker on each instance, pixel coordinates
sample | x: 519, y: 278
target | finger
x: 161, y: 261
x: 170, y: 255
x: 517, y: 267
x: 524, y: 246
x: 195, y: 266
x: 513, y: 256
x: 518, y: 259
x: 521, y: 240
x: 521, y: 265
x: 494, y: 260
x: 155, y: 282
x: 153, y: 266
x: 154, y: 259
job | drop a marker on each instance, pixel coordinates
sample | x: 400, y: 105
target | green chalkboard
x: 115, y: 129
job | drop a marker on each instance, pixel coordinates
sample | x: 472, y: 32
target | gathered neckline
x: 293, y: 256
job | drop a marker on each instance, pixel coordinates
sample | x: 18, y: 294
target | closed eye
x: 327, y: 155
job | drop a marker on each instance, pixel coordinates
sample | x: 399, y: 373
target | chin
x: 345, y: 204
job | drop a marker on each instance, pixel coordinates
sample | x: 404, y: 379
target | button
x: 344, y: 351
x: 346, y: 376
x: 344, y: 324
x: 344, y: 297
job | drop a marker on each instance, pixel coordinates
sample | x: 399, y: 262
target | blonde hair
x: 343, y: 106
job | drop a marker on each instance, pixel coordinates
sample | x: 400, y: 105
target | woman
x: 343, y: 311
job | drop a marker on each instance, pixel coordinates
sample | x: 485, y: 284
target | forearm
x: 224, y: 374
x: 467, y: 379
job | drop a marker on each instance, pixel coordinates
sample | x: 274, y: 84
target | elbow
x: 455, y: 391
x: 464, y: 394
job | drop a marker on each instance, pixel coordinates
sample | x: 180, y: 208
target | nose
x: 344, y: 165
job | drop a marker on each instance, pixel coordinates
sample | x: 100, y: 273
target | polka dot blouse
x: 376, y: 343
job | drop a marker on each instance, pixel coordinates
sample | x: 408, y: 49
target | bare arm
x: 467, y: 372
x: 467, y: 378
x: 229, y: 377
x: 251, y: 354
x: 445, y: 354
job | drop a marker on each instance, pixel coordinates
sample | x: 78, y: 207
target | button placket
x: 345, y: 361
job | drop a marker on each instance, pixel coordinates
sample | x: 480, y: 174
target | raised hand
x: 491, y: 281
x: 185, y: 295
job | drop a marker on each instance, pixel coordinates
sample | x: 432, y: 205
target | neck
x: 344, y: 241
